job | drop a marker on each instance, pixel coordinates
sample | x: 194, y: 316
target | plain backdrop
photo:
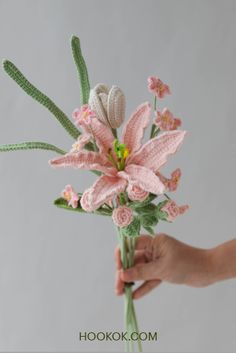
x: 57, y: 267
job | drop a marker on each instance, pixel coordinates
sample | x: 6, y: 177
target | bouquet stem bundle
x: 127, y: 248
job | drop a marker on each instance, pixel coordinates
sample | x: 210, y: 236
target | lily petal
x: 144, y: 178
x: 102, y: 135
x: 104, y: 189
x: 154, y: 153
x: 134, y: 129
x: 84, y: 160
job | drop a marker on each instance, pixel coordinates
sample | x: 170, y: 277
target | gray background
x: 56, y: 267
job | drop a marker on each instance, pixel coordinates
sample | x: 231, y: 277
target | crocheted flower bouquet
x: 129, y: 180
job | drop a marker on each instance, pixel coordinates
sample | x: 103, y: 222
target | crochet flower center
x: 118, y: 155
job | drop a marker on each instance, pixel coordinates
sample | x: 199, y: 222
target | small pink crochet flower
x: 83, y: 115
x: 165, y: 120
x: 70, y: 196
x: 156, y: 86
x: 172, y: 183
x: 173, y: 210
x: 122, y: 216
x: 135, y: 193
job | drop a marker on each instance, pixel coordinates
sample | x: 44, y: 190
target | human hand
x: 163, y: 258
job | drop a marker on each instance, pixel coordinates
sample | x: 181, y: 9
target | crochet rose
x: 135, y: 193
x: 122, y: 216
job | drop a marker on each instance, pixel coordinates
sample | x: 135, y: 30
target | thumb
x: 140, y: 272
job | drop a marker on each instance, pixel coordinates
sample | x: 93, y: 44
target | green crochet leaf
x: 162, y: 215
x: 137, y: 204
x: 30, y: 146
x: 61, y: 203
x: 40, y: 97
x: 149, y: 220
x: 161, y: 204
x: 82, y: 70
x: 150, y: 230
x: 148, y: 209
x: 133, y: 229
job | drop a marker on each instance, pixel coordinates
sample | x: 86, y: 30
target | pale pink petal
x: 84, y: 160
x: 154, y: 153
x: 102, y: 135
x: 144, y: 178
x: 134, y: 129
x: 85, y: 200
x: 104, y: 189
x: 79, y: 144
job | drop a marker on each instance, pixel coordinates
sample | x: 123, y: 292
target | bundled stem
x: 127, y: 247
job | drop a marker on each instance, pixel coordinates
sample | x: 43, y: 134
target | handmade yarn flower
x: 122, y: 216
x: 126, y: 163
x: 166, y: 121
x: 173, y: 210
x: 156, y: 86
x: 70, y: 196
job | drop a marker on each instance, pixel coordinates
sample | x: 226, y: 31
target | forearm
x: 222, y: 261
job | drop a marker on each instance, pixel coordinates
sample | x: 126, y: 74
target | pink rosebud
x: 135, y: 193
x: 156, y: 86
x: 122, y: 216
x: 173, y: 210
x: 70, y: 196
x: 83, y: 115
x: 85, y: 201
x: 165, y: 120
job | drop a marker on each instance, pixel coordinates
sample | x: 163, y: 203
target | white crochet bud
x: 108, y: 104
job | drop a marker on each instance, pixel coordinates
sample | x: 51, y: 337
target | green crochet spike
x: 40, y: 97
x: 30, y: 146
x: 82, y: 70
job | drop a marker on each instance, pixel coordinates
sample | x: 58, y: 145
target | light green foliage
x: 40, y: 97
x: 30, y: 146
x: 82, y: 70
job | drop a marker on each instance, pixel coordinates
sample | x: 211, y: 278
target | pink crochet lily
x: 139, y: 165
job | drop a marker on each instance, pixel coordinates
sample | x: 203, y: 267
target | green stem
x: 82, y: 70
x: 29, y: 146
x: 40, y: 97
x: 168, y: 197
x: 127, y: 246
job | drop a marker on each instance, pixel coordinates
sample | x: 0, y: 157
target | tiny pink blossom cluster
x: 122, y: 216
x: 165, y: 120
x: 83, y: 115
x: 156, y: 86
x: 173, y: 210
x: 70, y: 196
